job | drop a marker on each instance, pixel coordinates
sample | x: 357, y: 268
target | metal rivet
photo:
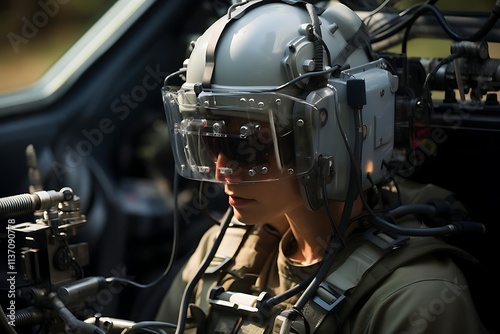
x: 216, y: 128
x: 244, y: 131
x: 309, y: 65
x: 225, y: 171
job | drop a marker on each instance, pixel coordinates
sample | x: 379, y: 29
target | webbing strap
x: 415, y: 249
x: 248, y: 254
x: 219, y: 29
x: 330, y: 294
x: 363, y: 271
x: 214, y: 39
x: 348, y: 275
x: 227, y: 249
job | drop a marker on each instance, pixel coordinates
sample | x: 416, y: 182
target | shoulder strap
x: 238, y: 260
x: 230, y: 245
x: 362, y: 272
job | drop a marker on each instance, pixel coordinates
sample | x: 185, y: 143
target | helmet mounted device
x: 266, y: 96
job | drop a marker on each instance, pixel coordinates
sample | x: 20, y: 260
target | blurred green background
x: 35, y: 33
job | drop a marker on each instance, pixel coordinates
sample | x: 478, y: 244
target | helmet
x: 279, y: 89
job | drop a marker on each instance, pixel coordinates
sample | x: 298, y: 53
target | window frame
x: 81, y: 55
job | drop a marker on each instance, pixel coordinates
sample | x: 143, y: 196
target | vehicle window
x: 35, y: 34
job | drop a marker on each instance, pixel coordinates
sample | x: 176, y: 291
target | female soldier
x: 288, y: 107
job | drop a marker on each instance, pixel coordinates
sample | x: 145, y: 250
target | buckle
x: 237, y: 301
x: 385, y: 240
x: 217, y: 263
x: 327, y: 298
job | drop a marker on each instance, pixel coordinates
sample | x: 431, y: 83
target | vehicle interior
x: 94, y: 122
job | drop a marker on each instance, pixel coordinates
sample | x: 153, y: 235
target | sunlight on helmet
x: 265, y: 98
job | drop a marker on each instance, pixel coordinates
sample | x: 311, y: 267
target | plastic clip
x: 327, y: 298
x: 383, y: 240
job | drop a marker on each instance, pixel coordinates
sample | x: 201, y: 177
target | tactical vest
x: 368, y: 261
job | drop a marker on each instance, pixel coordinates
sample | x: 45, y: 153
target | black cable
x: 152, y: 330
x: 173, y: 253
x: 302, y: 77
x: 72, y: 260
x: 368, y: 18
x: 335, y: 228
x: 173, y: 76
x: 289, y: 293
x: 423, y: 9
x: 71, y: 321
x: 294, y: 80
x: 440, y: 18
x: 392, y: 27
x: 490, y: 23
x: 292, y: 314
x: 188, y: 291
x: 334, y: 246
x: 328, y: 71
x: 384, y: 224
x: 337, y: 242
x: 355, y: 172
x: 405, y: 21
x: 423, y: 209
x: 148, y: 325
x: 306, y: 283
x: 426, y: 94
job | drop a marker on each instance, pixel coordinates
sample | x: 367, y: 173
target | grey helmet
x: 271, y: 91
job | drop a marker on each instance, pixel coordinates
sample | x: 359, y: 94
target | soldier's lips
x: 239, y: 201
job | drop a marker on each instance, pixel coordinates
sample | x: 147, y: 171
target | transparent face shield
x: 241, y: 136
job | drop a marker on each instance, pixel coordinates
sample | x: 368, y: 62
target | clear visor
x: 236, y: 137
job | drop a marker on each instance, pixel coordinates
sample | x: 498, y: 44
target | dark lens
x: 250, y: 151
x: 212, y: 145
x: 254, y: 150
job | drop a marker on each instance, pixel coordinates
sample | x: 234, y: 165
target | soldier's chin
x: 246, y: 217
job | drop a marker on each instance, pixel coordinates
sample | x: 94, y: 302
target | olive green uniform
x: 430, y: 295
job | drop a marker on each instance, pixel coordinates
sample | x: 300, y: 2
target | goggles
x: 241, y: 136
